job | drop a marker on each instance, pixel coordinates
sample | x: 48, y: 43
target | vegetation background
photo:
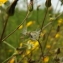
x: 51, y: 36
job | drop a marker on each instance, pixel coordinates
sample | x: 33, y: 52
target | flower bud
x: 11, y: 9
x: 48, y: 3
x: 30, y: 6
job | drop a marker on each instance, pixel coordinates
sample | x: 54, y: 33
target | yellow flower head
x: 60, y: 21
x: 12, y: 60
x: 2, y: 2
x: 20, y: 27
x: 34, y: 44
x: 29, y: 23
x: 57, y: 35
x: 46, y: 59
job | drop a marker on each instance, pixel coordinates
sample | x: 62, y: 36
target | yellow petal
x: 46, y: 59
x: 12, y: 60
x: 57, y: 35
x: 34, y: 44
x: 2, y: 2
x: 29, y: 23
x: 20, y: 27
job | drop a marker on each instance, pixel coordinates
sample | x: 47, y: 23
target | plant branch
x: 9, y: 45
x: 4, y: 28
x: 41, y: 30
x: 17, y: 27
x: 8, y: 58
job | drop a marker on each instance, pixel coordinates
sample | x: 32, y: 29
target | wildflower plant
x: 39, y: 45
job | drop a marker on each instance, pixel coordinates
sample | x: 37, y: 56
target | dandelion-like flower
x: 2, y: 2
x: 20, y: 27
x: 33, y: 44
x: 46, y: 59
x: 57, y: 35
x: 29, y: 23
x: 12, y: 60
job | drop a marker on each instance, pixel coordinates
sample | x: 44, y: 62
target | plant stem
x: 9, y: 45
x: 8, y: 58
x: 17, y: 27
x: 41, y: 30
x: 4, y: 28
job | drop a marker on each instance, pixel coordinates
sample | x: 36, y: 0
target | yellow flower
x: 48, y: 46
x: 12, y: 60
x: 57, y: 35
x: 20, y: 27
x: 46, y: 59
x: 60, y: 21
x: 29, y: 23
x: 34, y: 44
x: 2, y: 2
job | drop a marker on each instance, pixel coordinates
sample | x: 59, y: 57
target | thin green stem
x: 41, y: 31
x: 47, y: 37
x: 9, y: 45
x: 17, y: 27
x: 4, y: 28
x: 8, y: 58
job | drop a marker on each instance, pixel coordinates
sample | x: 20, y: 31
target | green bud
x: 48, y: 3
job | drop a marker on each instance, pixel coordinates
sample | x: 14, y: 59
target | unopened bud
x: 48, y: 3
x: 11, y: 9
x: 30, y: 6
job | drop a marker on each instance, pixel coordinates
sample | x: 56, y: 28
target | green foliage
x: 25, y: 44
